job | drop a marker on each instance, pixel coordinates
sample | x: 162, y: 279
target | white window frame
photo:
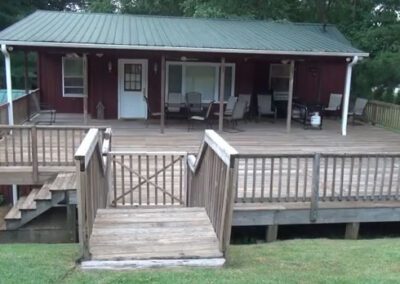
x: 279, y: 95
x: 217, y: 65
x: 84, y: 78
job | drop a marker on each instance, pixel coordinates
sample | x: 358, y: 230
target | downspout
x: 10, y: 104
x: 346, y: 99
x: 8, y: 83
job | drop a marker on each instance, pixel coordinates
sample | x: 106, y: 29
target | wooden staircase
x: 152, y: 237
x: 40, y: 200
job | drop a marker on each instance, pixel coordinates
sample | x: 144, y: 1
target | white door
x: 132, y: 86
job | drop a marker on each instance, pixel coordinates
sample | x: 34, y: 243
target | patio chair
x: 193, y: 102
x: 44, y: 109
x: 247, y: 99
x: 205, y: 119
x: 358, y: 109
x: 265, y: 106
x: 174, y: 103
x: 237, y: 114
x: 151, y: 113
x: 229, y: 106
x: 335, y: 101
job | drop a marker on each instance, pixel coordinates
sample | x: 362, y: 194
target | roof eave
x: 185, y: 49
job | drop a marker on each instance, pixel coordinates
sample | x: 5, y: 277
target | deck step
x: 64, y: 182
x: 44, y: 193
x: 15, y: 213
x: 30, y: 203
x: 150, y: 234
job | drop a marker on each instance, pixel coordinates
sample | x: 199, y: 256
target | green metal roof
x: 92, y: 30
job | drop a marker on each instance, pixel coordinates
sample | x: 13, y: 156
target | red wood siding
x: 315, y: 78
x: 50, y: 66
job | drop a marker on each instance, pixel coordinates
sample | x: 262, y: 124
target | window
x: 73, y: 77
x: 133, y: 77
x: 202, y: 77
x: 279, y: 80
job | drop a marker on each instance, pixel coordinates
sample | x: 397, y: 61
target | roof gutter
x: 185, y: 49
x: 8, y: 83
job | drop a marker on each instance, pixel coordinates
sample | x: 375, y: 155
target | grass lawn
x: 296, y: 261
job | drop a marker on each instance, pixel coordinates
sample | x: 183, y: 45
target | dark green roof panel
x: 130, y: 31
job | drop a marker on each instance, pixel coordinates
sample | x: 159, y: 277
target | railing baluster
x: 262, y: 178
x: 341, y: 178
x: 245, y: 179
x: 389, y: 194
x: 297, y: 178
x: 326, y: 163
x: 333, y: 179
x: 383, y: 179
x: 123, y: 178
x: 280, y: 180
x: 305, y: 179
x: 271, y: 180
x: 375, y: 178
x: 164, y: 182
x: 288, y: 179
x: 350, y: 189
x: 359, y: 178
x: 172, y: 180
x: 140, y: 178
x: 148, y: 179
x: 131, y: 179
x: 156, y: 179
x: 253, y: 194
x: 58, y: 148
x: 367, y: 179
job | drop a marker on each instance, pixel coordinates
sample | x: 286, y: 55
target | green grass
x: 297, y: 261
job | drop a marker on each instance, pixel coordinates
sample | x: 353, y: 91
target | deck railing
x: 23, y: 108
x: 318, y: 177
x: 40, y: 146
x: 148, y: 178
x: 92, y: 167
x: 384, y: 114
x: 212, y: 182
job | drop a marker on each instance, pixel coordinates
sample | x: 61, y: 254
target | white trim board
x: 150, y: 263
x: 187, y: 49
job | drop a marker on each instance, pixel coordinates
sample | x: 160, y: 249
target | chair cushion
x: 195, y: 117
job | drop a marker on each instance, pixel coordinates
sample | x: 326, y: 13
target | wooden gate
x: 148, y: 178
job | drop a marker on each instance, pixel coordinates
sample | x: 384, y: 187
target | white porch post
x: 9, y: 84
x: 7, y: 60
x: 346, y: 99
x: 221, y: 95
x: 290, y: 98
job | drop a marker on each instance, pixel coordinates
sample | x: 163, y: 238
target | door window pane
x: 133, y: 77
x: 201, y: 79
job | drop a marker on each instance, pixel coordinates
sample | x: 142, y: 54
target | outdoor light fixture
x: 285, y: 61
x: 99, y: 55
x: 183, y: 58
x: 109, y: 66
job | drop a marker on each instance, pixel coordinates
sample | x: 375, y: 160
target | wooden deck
x: 166, y: 233
x: 262, y: 137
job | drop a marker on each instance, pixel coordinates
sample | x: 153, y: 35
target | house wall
x: 315, y: 78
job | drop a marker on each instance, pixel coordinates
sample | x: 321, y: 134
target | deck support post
x: 271, y: 233
x: 221, y: 95
x: 352, y: 230
x: 290, y: 98
x: 71, y: 218
x: 346, y: 99
x: 162, y: 117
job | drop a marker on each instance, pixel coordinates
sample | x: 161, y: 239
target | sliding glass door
x: 202, y: 77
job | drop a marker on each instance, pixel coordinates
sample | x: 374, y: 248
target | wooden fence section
x: 212, y: 179
x: 92, y: 166
x: 148, y: 178
x: 23, y: 108
x: 325, y: 177
x: 382, y: 113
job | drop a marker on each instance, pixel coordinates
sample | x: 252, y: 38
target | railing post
x: 82, y: 212
x: 315, y: 188
x: 34, y: 151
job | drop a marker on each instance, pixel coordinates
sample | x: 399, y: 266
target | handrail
x: 93, y: 182
x: 212, y: 183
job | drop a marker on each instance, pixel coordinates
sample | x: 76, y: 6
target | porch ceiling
x: 116, y: 31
